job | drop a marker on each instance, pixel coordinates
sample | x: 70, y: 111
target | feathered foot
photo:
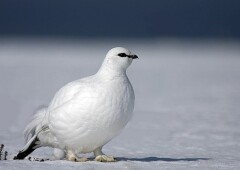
x: 105, y: 158
x: 71, y: 156
x: 101, y: 157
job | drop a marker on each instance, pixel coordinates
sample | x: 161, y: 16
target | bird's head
x: 119, y: 58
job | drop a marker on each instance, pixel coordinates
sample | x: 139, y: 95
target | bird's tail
x: 28, y: 148
x: 36, y: 126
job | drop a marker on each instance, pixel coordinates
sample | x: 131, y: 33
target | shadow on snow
x: 153, y: 159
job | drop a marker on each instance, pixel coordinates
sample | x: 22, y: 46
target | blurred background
x: 122, y: 19
x: 187, y: 80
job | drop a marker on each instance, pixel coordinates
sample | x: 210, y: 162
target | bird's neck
x: 111, y: 72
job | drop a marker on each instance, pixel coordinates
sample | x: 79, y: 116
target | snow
x: 187, y: 100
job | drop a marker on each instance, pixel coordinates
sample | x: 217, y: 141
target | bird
x: 85, y: 114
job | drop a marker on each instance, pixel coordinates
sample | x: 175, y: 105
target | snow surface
x: 187, y: 100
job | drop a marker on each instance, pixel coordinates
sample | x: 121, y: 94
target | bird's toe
x: 105, y: 158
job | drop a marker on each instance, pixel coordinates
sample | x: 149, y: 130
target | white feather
x: 35, y: 124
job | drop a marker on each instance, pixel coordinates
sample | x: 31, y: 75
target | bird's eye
x: 122, y: 55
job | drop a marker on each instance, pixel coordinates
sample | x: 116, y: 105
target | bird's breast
x: 116, y: 102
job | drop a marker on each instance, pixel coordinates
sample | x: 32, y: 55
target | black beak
x: 133, y: 56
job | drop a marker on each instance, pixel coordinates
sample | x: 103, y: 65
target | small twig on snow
x: 5, y: 155
x: 1, y: 149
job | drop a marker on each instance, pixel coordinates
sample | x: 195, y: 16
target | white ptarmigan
x: 87, y: 113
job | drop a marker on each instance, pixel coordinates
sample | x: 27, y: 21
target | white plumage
x: 86, y: 114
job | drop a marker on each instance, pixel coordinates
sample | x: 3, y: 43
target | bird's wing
x: 67, y: 92
x: 72, y: 109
